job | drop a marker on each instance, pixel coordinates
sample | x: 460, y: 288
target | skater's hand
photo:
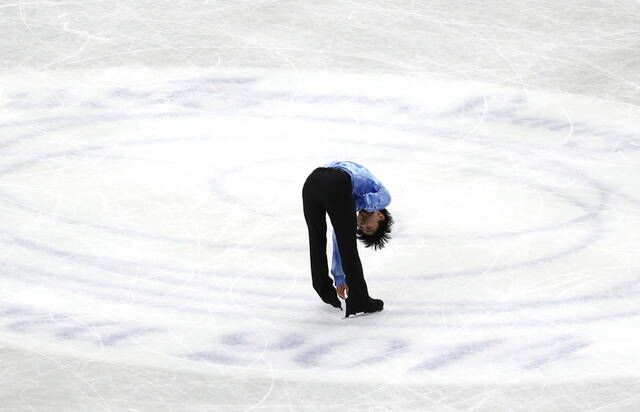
x: 343, y: 290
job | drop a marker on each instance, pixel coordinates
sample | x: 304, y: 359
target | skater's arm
x: 336, y: 264
x: 370, y: 193
x: 376, y: 200
x: 336, y: 270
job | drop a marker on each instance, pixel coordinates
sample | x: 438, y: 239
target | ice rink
x: 154, y: 253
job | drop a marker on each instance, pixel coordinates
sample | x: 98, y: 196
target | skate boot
x: 331, y: 299
x: 370, y: 306
x: 335, y: 302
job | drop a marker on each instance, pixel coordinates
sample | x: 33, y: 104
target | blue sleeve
x: 377, y: 200
x: 375, y: 197
x: 336, y: 264
x: 369, y: 193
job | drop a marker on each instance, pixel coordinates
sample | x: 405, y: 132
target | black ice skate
x: 332, y: 299
x: 335, y: 303
x: 371, y: 306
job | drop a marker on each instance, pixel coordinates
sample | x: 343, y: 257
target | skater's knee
x: 319, y: 285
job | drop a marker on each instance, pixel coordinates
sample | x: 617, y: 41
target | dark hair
x: 380, y: 238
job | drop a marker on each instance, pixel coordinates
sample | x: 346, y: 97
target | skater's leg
x: 315, y: 217
x: 341, y: 211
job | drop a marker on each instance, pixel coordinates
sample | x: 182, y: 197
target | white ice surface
x: 154, y: 253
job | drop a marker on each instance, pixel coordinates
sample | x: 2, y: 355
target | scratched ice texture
x: 153, y: 249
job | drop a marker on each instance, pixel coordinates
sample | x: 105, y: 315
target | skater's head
x: 374, y: 228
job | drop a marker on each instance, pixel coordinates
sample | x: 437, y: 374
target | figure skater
x: 341, y: 189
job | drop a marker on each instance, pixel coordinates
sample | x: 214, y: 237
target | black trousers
x: 329, y: 191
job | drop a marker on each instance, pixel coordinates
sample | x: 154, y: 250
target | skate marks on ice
x: 111, y: 388
x: 107, y: 201
x: 299, y: 351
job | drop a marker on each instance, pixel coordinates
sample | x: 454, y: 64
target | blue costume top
x: 369, y: 194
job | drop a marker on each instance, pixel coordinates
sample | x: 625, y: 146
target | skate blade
x: 361, y: 314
